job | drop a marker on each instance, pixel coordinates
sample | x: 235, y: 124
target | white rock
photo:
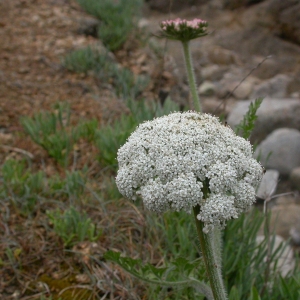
x: 285, y: 255
x: 280, y: 150
x: 272, y: 114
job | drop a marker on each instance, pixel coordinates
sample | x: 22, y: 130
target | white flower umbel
x: 182, y: 160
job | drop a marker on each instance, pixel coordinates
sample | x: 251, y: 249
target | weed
x: 87, y: 130
x: 88, y: 59
x: 73, y: 227
x: 117, y: 19
x: 109, y: 138
x: 21, y: 186
x: 74, y: 184
x: 84, y: 60
x: 49, y: 130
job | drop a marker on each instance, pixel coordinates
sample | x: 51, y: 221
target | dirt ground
x: 35, y: 36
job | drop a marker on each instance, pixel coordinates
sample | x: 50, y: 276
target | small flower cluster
x: 183, y: 30
x: 182, y: 160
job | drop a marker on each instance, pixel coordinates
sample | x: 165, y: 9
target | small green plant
x: 73, y: 226
x: 74, y: 184
x: 88, y: 59
x: 21, y: 186
x: 49, y: 130
x: 117, y: 19
x: 110, y: 137
x: 109, y: 189
x: 87, y: 129
x: 246, y: 126
x: 85, y: 59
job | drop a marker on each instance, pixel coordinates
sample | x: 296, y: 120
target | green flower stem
x: 191, y: 76
x: 211, y: 259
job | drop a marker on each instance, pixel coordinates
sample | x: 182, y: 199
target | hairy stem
x: 211, y: 259
x: 191, y: 76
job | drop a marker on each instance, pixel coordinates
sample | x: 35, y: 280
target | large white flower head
x: 182, y: 160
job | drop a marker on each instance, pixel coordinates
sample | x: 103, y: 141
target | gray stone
x: 244, y: 90
x: 295, y: 178
x: 268, y: 185
x: 233, y: 4
x: 295, y: 233
x: 222, y: 56
x: 286, y: 18
x: 267, y: 68
x: 272, y: 114
x: 213, y: 72
x: 248, y: 41
x: 290, y: 23
x: 285, y: 217
x: 231, y: 83
x: 207, y: 88
x: 164, y: 5
x: 280, y: 150
x: 275, y: 87
x: 284, y: 255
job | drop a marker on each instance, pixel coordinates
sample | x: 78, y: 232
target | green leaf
x: 234, y: 294
x: 246, y: 126
x: 178, y: 274
x: 254, y: 294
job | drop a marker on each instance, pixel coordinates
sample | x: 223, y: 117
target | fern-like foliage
x: 181, y: 273
x: 246, y: 126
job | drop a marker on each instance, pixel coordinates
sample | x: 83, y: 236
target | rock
x: 88, y: 26
x: 143, y: 23
x: 294, y: 86
x: 248, y: 41
x: 266, y: 68
x: 233, y: 4
x: 164, y: 5
x: 290, y: 23
x: 295, y: 178
x: 285, y: 254
x: 231, y: 83
x: 286, y: 199
x: 244, y: 90
x: 286, y: 18
x: 284, y: 218
x: 268, y: 185
x: 207, y: 88
x: 222, y: 56
x: 275, y: 7
x: 272, y: 114
x: 276, y: 87
x: 295, y: 234
x: 280, y: 150
x: 213, y: 72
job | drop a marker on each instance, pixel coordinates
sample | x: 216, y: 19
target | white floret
x: 168, y: 160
